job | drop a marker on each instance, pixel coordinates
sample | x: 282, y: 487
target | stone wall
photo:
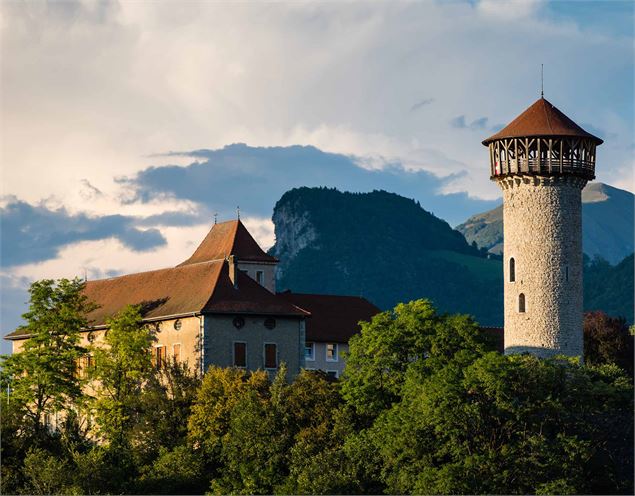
x: 221, y: 333
x: 543, y: 233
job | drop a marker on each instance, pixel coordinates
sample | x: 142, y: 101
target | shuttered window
x: 176, y: 352
x: 240, y: 354
x: 271, y: 356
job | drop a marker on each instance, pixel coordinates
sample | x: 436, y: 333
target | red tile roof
x: 229, y: 238
x: 541, y: 119
x: 188, y: 289
x: 333, y: 318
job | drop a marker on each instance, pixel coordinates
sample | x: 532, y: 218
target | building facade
x: 541, y: 161
x: 219, y: 307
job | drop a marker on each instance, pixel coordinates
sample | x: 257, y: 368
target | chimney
x: 233, y: 270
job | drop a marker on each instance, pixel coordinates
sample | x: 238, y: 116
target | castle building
x: 219, y: 307
x: 541, y: 161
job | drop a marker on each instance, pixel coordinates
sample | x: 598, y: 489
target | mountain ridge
x: 607, y: 224
x: 388, y: 249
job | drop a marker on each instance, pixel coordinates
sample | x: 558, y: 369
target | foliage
x: 424, y: 406
x: 609, y: 288
x: 43, y: 376
x: 608, y: 340
x: 413, y: 335
x: 164, y: 410
x: 220, y: 391
x: 122, y: 368
x: 508, y: 424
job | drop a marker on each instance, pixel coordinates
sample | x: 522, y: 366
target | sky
x: 125, y: 126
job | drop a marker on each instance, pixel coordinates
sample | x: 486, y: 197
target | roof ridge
x: 154, y: 270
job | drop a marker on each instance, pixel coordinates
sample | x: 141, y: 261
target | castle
x: 220, y: 307
x: 541, y: 161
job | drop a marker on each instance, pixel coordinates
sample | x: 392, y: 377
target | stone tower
x: 541, y: 161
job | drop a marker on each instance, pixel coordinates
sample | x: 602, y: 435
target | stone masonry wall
x: 542, y: 222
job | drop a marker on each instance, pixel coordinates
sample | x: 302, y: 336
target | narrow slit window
x: 521, y: 302
x: 566, y: 273
x: 512, y: 270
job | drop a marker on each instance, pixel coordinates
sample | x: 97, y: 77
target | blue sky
x: 126, y: 126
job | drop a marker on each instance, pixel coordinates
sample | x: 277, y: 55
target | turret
x: 541, y: 161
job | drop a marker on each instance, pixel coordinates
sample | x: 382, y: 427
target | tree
x: 43, y: 374
x: 164, y: 408
x: 393, y: 341
x: 607, y: 340
x: 510, y: 424
x: 220, y: 390
x: 122, y: 368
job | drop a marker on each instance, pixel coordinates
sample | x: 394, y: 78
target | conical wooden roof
x: 541, y: 119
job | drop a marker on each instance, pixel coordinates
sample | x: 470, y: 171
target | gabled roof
x: 229, y: 238
x: 541, y: 119
x: 334, y: 319
x: 177, y: 291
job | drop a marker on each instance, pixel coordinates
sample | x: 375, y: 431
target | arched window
x: 512, y: 270
x: 521, y: 302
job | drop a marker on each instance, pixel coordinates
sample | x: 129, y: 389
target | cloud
x: 35, y: 233
x: 461, y: 123
x: 109, y: 83
x: 422, y: 103
x: 256, y: 177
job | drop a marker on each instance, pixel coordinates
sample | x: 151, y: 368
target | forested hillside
x: 384, y: 247
x: 387, y: 248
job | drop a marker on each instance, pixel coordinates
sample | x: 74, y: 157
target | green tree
x: 42, y: 376
x: 164, y: 409
x: 510, y: 425
x: 122, y: 368
x: 220, y: 390
x: 411, y: 334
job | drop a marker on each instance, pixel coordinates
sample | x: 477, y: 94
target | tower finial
x: 215, y: 217
x: 542, y: 80
x: 238, y: 212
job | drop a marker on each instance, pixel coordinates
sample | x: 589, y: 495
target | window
x: 512, y: 270
x: 332, y: 373
x: 331, y: 352
x: 566, y: 273
x: 260, y: 277
x: 176, y: 352
x: 271, y: 356
x: 270, y: 323
x: 159, y: 356
x: 521, y: 302
x: 309, y: 351
x: 240, y: 354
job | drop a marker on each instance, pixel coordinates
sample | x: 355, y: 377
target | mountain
x: 609, y: 288
x: 388, y: 249
x: 384, y: 247
x: 607, y: 224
